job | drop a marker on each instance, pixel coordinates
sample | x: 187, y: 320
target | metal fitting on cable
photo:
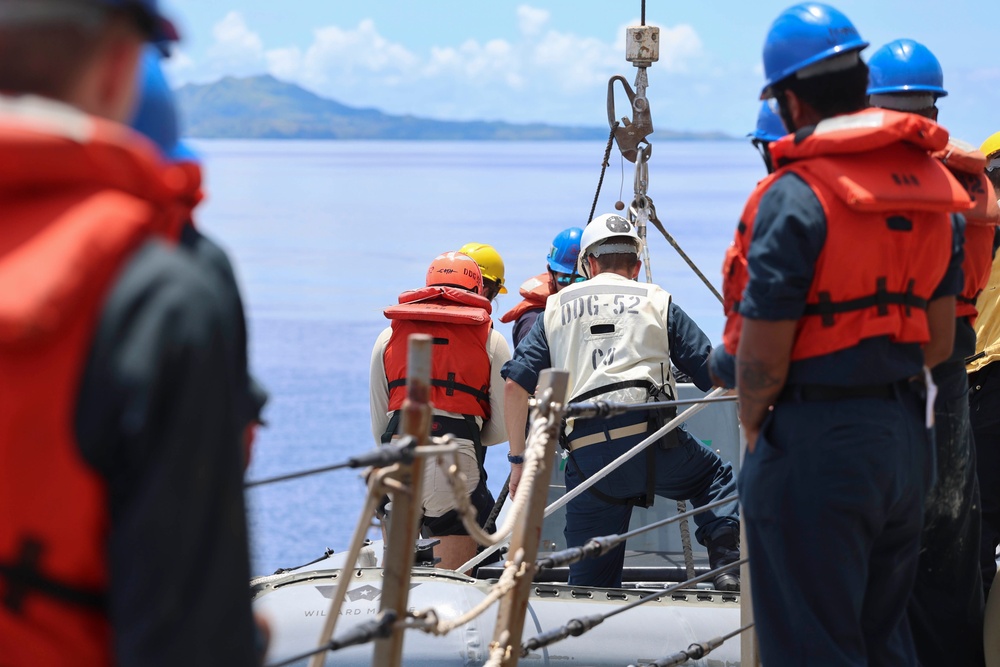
x: 397, y: 451
x: 574, y: 628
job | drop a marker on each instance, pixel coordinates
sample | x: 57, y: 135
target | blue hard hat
x: 905, y: 66
x: 769, y: 125
x: 156, y: 110
x: 804, y: 35
x: 565, y: 249
x: 160, y: 28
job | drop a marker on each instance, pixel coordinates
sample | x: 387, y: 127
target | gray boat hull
x: 296, y: 605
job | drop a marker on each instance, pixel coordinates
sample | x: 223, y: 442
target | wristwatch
x: 515, y: 458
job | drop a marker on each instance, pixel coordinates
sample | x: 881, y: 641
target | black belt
x: 824, y: 392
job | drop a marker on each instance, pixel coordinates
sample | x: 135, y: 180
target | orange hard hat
x: 454, y: 269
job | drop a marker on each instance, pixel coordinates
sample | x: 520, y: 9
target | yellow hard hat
x: 991, y: 146
x: 489, y: 261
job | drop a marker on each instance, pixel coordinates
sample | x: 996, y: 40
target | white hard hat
x: 607, y: 234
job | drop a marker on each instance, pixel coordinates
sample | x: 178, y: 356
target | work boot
x: 724, y: 548
x: 728, y: 582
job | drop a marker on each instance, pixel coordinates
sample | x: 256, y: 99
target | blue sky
x: 550, y: 60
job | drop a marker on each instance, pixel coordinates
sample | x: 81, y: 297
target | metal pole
x: 513, y: 606
x: 749, y: 650
x: 404, y: 519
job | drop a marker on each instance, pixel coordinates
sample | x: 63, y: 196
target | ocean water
x: 323, y: 235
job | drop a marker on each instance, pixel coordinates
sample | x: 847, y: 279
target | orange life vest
x: 534, y: 292
x: 967, y: 164
x: 875, y: 181
x: 460, y: 323
x: 734, y: 266
x: 78, y: 196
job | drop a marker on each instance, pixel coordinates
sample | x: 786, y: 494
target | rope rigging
x: 399, y: 451
x: 607, y: 470
x: 362, y: 633
x: 599, y: 546
x: 402, y: 450
x: 695, y: 651
x: 520, y: 568
x: 578, y: 626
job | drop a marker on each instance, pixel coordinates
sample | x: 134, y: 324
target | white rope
x: 604, y: 472
x: 499, y: 650
x: 513, y: 570
x: 534, y: 453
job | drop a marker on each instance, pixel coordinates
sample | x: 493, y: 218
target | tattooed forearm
x: 759, y: 384
x: 761, y: 368
x: 756, y: 376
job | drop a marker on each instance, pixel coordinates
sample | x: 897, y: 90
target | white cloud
x: 237, y: 49
x: 531, y: 20
x: 359, y: 56
x: 680, y: 47
x: 542, y: 75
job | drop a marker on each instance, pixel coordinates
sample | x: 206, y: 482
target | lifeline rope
x: 578, y: 626
x: 695, y: 651
x: 686, y: 541
x: 499, y: 650
x: 377, y: 484
x: 534, y: 452
x: 597, y: 546
x: 598, y: 476
x: 491, y: 521
x: 604, y: 167
x: 428, y: 621
x: 690, y: 262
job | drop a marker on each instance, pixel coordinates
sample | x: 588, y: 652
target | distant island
x: 263, y: 107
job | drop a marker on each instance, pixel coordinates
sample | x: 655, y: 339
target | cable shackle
x: 630, y: 133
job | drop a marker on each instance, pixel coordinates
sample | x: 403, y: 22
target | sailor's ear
x: 635, y: 273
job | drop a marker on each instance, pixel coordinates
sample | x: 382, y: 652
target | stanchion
x: 524, y: 542
x: 404, y: 520
x: 749, y: 651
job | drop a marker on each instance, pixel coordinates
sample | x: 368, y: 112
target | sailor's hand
x: 752, y: 434
x: 515, y: 477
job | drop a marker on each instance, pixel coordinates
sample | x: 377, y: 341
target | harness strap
x: 881, y: 299
x: 649, y: 386
x: 474, y: 433
x: 450, y: 387
x: 23, y: 578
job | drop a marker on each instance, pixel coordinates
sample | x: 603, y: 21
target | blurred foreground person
x: 847, y: 294
x: 124, y: 538
x: 156, y: 117
x: 946, y: 609
x: 984, y: 395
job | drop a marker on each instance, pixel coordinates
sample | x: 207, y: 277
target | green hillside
x: 263, y: 107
